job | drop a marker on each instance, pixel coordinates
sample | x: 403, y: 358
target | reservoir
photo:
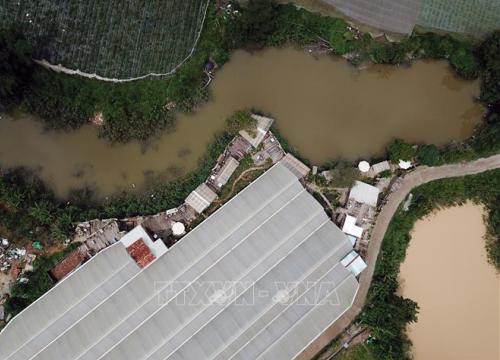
x: 446, y: 272
x: 326, y: 108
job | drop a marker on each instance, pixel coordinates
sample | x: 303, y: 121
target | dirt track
x: 416, y: 178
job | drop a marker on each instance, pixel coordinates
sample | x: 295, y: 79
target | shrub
x: 400, y: 150
x: 429, y: 155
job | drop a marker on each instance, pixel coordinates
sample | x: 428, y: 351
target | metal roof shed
x: 364, y: 193
x: 381, y: 166
x: 297, y: 167
x: 226, y: 171
x: 201, y: 198
x: 354, y: 263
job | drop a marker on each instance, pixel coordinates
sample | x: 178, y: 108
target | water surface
x: 326, y: 108
x: 447, y: 274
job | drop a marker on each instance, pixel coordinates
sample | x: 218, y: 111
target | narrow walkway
x: 414, y: 179
x: 233, y: 187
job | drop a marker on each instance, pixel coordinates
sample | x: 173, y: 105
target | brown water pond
x: 326, y: 108
x: 447, y: 274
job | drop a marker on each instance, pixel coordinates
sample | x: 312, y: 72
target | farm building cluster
x: 170, y: 225
x: 278, y: 233
x: 262, y: 277
x: 146, y: 239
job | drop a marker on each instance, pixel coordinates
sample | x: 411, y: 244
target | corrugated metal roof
x: 226, y: 171
x: 295, y: 166
x: 364, y: 193
x: 260, y: 278
x: 201, y: 198
x: 381, y: 166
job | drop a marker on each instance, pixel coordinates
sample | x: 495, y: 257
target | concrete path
x: 413, y: 179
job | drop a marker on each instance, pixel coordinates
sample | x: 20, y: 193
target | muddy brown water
x: 326, y: 108
x: 446, y: 272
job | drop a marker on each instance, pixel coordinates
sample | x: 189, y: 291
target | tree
x: 489, y: 57
x: 429, y: 155
x: 16, y: 66
x: 344, y: 174
x: 400, y: 150
x: 259, y: 20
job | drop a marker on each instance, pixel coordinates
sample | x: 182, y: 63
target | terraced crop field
x: 111, y: 38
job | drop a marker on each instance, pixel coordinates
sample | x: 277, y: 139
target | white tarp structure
x: 405, y: 165
x: 260, y: 278
x: 364, y: 193
x: 351, y: 228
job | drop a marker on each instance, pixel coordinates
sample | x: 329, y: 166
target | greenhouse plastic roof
x: 259, y: 279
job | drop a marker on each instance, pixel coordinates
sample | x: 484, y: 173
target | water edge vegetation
x: 142, y: 109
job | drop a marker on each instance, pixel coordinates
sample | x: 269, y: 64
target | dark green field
x: 112, y: 38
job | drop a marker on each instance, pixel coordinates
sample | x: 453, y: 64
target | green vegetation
x: 356, y: 352
x: 142, y: 109
x: 386, y: 314
x: 39, y: 282
x: 489, y: 54
x: 146, y: 36
x: 385, y: 174
x: 16, y: 68
x: 400, y: 150
x: 343, y: 174
x: 135, y: 110
x: 241, y: 120
x: 30, y: 211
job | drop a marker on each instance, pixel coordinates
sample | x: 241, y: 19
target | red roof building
x: 68, y: 264
x: 141, y: 253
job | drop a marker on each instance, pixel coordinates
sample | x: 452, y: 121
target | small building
x: 354, y: 263
x: 297, y: 167
x: 350, y: 227
x: 72, y: 261
x: 201, y: 198
x: 263, y: 126
x: 364, y: 193
x: 139, y: 245
x: 224, y: 174
x: 380, y: 167
x: 141, y: 253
